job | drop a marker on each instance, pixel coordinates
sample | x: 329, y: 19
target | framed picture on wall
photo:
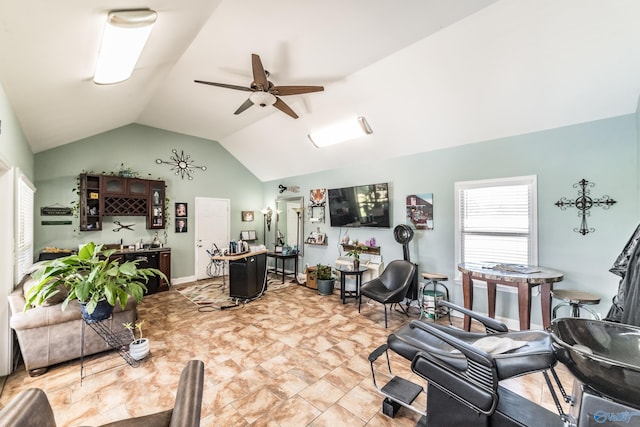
x: 181, y: 209
x: 420, y: 211
x: 181, y: 225
x: 247, y: 216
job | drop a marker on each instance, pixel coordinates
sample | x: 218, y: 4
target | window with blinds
x: 24, y: 242
x: 496, y: 221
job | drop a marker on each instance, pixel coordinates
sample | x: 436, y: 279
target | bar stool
x: 576, y: 300
x: 434, y: 280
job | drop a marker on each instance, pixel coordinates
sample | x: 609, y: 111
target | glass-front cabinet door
x: 156, y: 218
x: 137, y: 187
x: 114, y: 185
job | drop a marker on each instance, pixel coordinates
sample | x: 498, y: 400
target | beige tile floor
x: 291, y: 358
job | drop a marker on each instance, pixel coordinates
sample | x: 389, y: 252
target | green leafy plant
x: 132, y: 329
x: 127, y: 172
x: 356, y: 251
x: 89, y: 277
x: 324, y: 272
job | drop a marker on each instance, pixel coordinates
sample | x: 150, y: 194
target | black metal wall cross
x: 584, y: 202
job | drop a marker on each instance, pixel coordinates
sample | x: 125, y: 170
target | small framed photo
x: 181, y: 225
x: 247, y: 216
x: 181, y: 209
x: 320, y: 238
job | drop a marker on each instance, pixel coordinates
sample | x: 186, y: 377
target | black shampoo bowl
x: 603, y: 355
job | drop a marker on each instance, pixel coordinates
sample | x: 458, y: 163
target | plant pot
x: 325, y: 286
x: 356, y: 264
x: 139, y: 349
x: 103, y: 311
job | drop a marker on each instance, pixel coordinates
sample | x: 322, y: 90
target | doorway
x: 212, y: 226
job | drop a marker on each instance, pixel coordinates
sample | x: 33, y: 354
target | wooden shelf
x: 371, y: 250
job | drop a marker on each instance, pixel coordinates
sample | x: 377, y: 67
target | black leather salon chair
x: 536, y: 355
x: 463, y: 371
x: 391, y: 286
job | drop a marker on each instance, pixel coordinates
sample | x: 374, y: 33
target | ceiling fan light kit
x: 125, y: 35
x: 265, y: 93
x: 262, y: 99
x: 340, y: 132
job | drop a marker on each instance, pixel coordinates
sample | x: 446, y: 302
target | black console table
x: 278, y: 256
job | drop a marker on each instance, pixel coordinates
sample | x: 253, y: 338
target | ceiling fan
x: 264, y: 92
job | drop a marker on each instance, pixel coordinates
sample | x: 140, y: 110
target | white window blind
x: 496, y: 221
x: 24, y: 251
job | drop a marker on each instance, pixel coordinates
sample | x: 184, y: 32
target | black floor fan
x: 403, y: 235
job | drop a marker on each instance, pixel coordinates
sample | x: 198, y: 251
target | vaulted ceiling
x: 427, y: 74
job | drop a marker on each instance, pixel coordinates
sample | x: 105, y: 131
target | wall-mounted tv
x: 360, y: 206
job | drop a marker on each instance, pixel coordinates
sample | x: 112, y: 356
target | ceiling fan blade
x: 225, y: 85
x: 244, y: 106
x: 259, y: 75
x: 280, y: 105
x: 295, y: 90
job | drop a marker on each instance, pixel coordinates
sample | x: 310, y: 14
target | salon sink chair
x: 463, y: 371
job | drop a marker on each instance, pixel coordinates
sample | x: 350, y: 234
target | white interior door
x: 212, y: 226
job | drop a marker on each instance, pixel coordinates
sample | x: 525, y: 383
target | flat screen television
x: 360, y: 206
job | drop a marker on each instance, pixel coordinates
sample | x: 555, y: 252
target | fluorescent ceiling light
x: 125, y: 34
x: 340, y: 132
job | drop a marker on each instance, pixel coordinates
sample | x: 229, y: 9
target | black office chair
x: 391, y: 286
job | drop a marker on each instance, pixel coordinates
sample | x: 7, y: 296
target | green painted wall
x: 604, y: 152
x: 138, y: 147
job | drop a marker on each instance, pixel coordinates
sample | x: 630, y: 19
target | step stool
x: 576, y: 300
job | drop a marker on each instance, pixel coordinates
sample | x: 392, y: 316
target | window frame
x: 25, y: 242
x: 531, y: 181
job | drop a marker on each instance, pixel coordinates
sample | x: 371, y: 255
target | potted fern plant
x: 94, y: 279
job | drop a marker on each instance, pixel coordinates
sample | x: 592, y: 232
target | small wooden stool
x: 435, y: 279
x: 576, y: 300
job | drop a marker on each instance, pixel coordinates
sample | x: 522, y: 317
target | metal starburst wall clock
x: 181, y: 164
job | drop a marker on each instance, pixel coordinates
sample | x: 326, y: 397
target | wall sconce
x: 125, y: 34
x: 268, y: 214
x: 340, y: 132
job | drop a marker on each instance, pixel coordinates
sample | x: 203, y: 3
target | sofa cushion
x: 29, y: 282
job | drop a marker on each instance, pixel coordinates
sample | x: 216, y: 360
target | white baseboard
x: 180, y: 280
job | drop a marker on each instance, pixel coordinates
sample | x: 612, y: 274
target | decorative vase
x: 102, y: 311
x: 325, y: 286
x: 356, y: 264
x: 139, y: 349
